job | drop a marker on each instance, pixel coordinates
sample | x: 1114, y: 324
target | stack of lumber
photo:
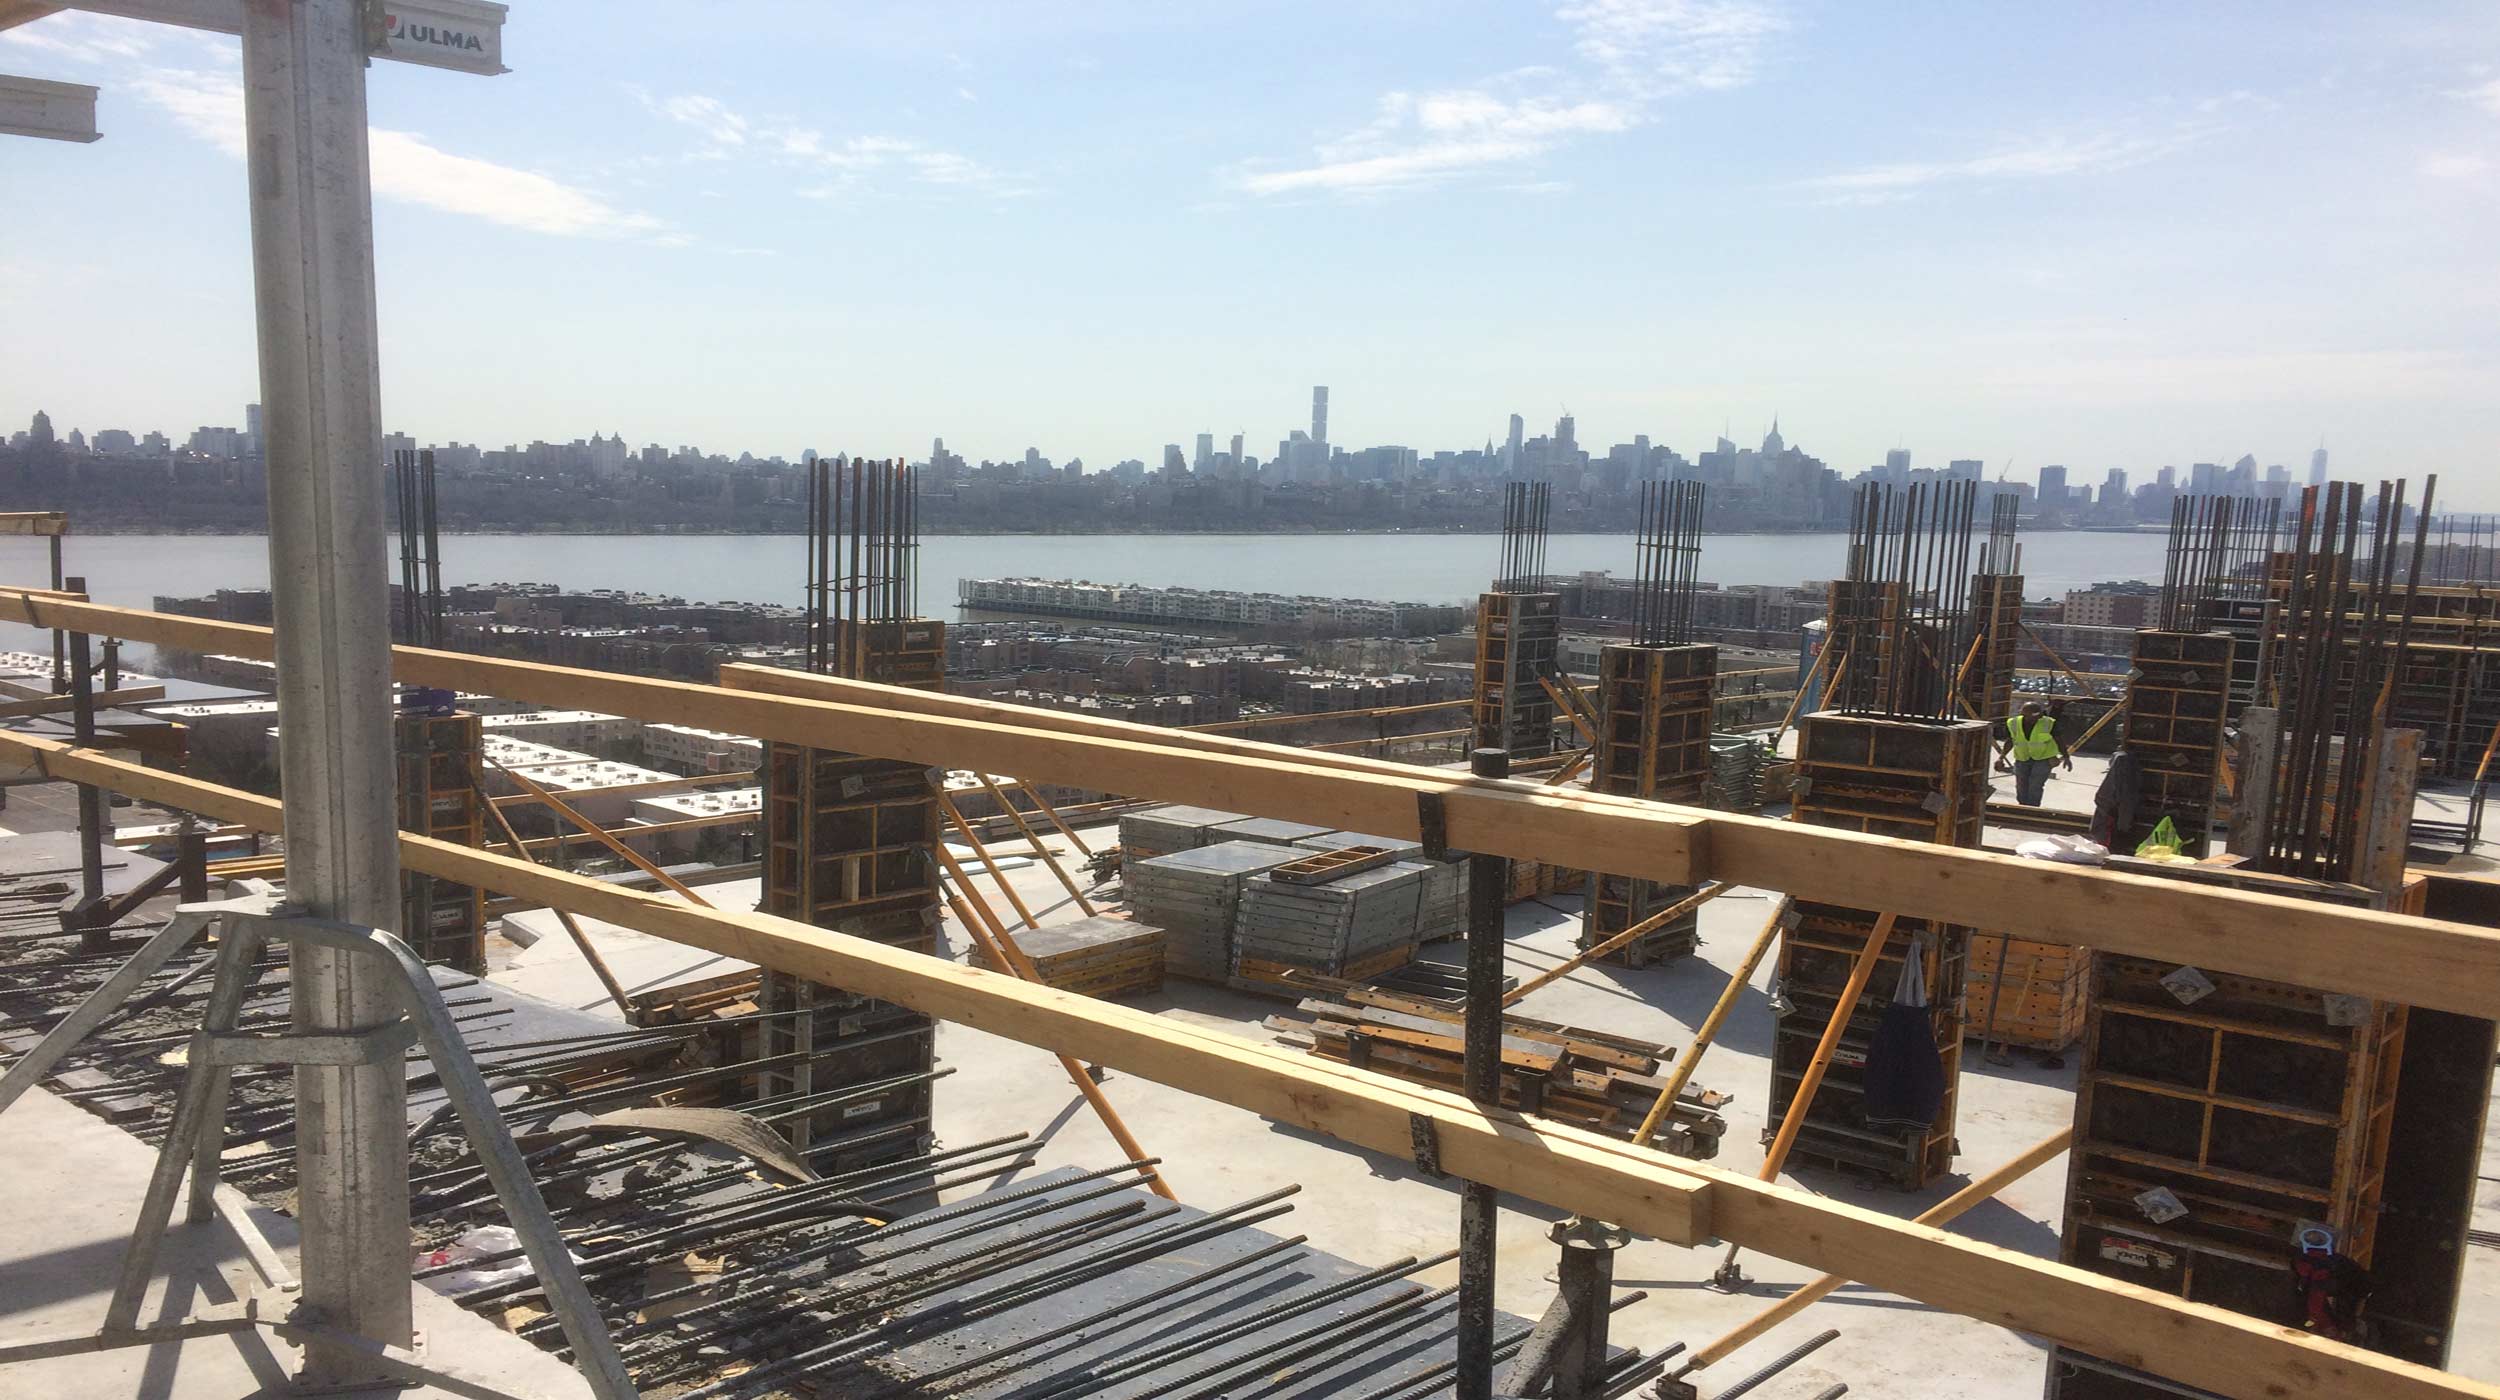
x: 1193, y: 895
x: 1273, y: 831
x: 1566, y: 1073
x: 2041, y: 1002
x: 1100, y: 957
x: 1303, y: 915
x: 1159, y: 831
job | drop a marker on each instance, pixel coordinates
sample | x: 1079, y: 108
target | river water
x: 132, y: 570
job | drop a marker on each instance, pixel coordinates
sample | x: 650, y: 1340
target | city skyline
x: 1303, y: 455
x: 2068, y: 240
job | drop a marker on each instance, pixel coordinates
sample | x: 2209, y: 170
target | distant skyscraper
x: 253, y: 443
x: 2114, y: 490
x: 2053, y: 486
x: 1319, y: 416
x: 1772, y: 443
x: 2317, y: 467
x: 2205, y: 478
x: 1173, y: 462
x: 1510, y: 451
x: 1205, y: 455
x: 1566, y: 434
x: 1965, y: 469
x: 2167, y: 478
x: 1239, y: 461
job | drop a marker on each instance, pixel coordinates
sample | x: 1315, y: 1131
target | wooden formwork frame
x: 1922, y: 780
x: 438, y: 797
x: 1651, y: 740
x: 1986, y: 685
x: 2178, y: 698
x: 1517, y: 638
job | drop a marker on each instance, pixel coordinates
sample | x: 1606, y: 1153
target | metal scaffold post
x: 312, y: 260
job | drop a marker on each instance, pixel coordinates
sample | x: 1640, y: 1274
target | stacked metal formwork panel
x: 443, y: 921
x: 1923, y: 780
x: 1653, y: 741
x: 2178, y: 700
x: 1986, y: 678
x: 1517, y: 638
x: 848, y: 847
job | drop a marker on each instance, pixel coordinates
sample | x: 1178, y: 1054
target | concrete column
x: 312, y: 260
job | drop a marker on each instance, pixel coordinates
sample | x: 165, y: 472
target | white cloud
x: 2038, y: 158
x: 1639, y: 52
x: 408, y: 168
x: 2485, y: 96
x: 2455, y: 166
x: 851, y: 160
x: 1417, y: 139
x: 1663, y: 47
x: 85, y: 38
x: 709, y: 115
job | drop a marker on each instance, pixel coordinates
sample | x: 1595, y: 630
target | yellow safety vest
x: 2040, y: 743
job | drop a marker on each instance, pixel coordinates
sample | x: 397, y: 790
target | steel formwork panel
x: 1655, y: 707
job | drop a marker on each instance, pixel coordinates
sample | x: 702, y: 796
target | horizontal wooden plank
x: 2423, y: 962
x: 33, y: 522
x: 1563, y: 1167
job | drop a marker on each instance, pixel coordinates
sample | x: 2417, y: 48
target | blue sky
x: 2110, y: 235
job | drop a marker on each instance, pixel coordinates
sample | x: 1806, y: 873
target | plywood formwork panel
x: 1987, y: 683
x: 1653, y: 741
x: 1921, y: 779
x: 1517, y: 638
x: 2178, y: 700
x: 848, y: 846
x: 444, y: 921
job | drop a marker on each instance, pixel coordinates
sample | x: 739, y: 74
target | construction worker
x: 2031, y: 741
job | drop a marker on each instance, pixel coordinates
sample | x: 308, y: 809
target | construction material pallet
x: 1268, y: 831
x: 2040, y: 1003
x: 1193, y: 897
x: 1919, y: 779
x: 1357, y: 924
x: 1441, y: 901
x: 1397, y: 847
x: 1160, y: 831
x: 1335, y: 863
x: 1517, y: 638
x: 1103, y: 956
x: 1602, y: 1082
x: 1737, y: 764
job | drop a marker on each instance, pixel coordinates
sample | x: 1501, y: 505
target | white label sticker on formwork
x: 2188, y: 985
x: 2160, y: 1206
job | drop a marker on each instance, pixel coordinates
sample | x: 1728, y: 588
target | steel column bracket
x: 1433, y: 823
x: 1427, y: 1145
x: 380, y: 1046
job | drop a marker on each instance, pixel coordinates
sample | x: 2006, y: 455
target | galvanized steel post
x: 312, y: 258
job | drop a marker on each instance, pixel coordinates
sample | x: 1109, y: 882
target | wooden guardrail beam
x: 2392, y: 957
x: 1571, y: 1169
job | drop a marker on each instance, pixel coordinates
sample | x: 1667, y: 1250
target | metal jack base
x: 195, y: 1141
x: 1729, y: 1277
